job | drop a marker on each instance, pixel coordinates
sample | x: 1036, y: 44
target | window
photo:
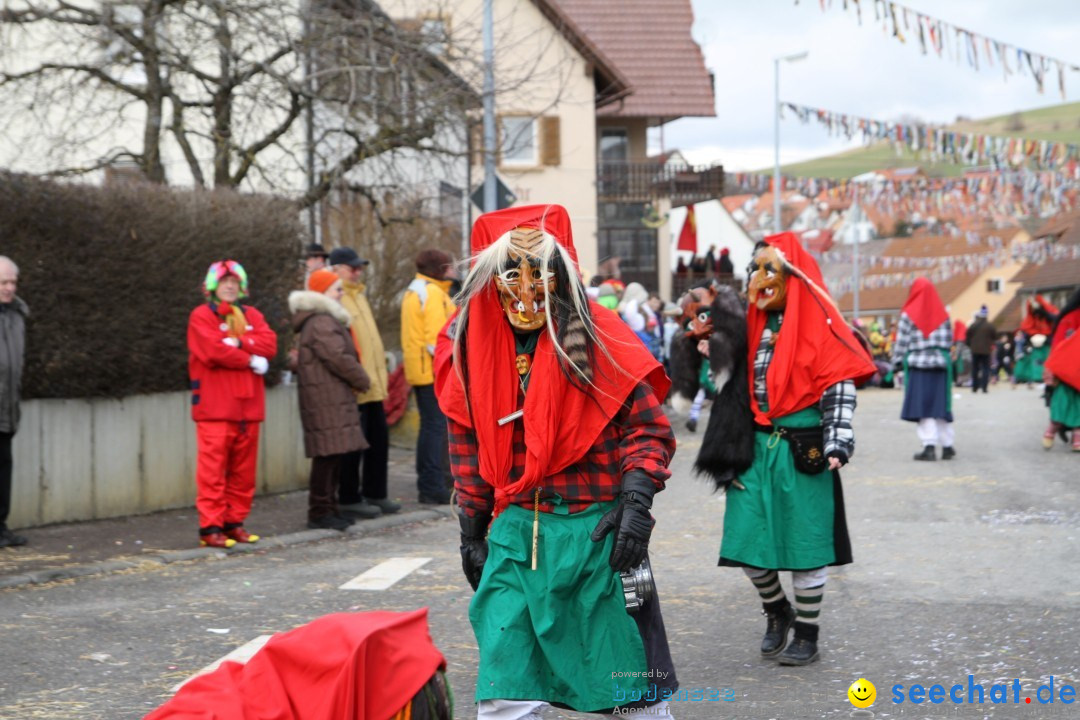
x: 435, y: 35
x: 993, y: 285
x: 614, y: 145
x: 519, y: 141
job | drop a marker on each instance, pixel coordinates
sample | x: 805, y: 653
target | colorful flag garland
x: 947, y: 40
x: 1004, y: 193
x: 937, y: 143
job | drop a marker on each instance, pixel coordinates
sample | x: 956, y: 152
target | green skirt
x: 785, y: 519
x: 1029, y: 368
x: 559, y: 633
x: 1065, y: 406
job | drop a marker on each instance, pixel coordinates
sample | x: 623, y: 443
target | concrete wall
x: 100, y: 458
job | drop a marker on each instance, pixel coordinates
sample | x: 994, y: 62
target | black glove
x: 839, y: 455
x: 631, y: 522
x: 474, y: 547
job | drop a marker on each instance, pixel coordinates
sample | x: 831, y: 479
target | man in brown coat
x: 329, y: 373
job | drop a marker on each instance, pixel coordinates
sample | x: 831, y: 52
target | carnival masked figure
x: 1036, y: 328
x: 923, y: 339
x: 786, y: 511
x: 1063, y: 375
x: 694, y: 326
x: 691, y: 381
x: 727, y: 446
x: 558, y: 444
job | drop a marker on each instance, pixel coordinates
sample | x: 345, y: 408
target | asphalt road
x: 964, y: 567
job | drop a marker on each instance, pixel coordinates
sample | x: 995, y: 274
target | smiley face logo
x: 862, y: 693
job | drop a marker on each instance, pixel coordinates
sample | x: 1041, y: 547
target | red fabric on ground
x: 815, y: 347
x: 346, y: 666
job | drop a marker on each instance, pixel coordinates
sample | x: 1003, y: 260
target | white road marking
x: 241, y: 655
x: 385, y: 574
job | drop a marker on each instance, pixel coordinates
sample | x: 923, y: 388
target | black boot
x: 803, y: 649
x: 691, y: 425
x: 926, y: 454
x: 780, y: 615
x: 947, y: 453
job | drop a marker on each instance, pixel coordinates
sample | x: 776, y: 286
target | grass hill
x: 1059, y: 123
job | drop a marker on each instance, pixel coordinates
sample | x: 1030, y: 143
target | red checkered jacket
x: 639, y: 437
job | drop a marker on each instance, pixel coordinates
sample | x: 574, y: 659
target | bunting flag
x: 961, y: 45
x: 938, y: 144
x: 688, y: 234
x: 1014, y: 194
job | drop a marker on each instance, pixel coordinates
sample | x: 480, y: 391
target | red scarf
x: 561, y: 421
x: 815, y: 347
x: 1032, y: 325
x: 924, y: 307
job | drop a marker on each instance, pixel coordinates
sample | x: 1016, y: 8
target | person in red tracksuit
x: 229, y: 347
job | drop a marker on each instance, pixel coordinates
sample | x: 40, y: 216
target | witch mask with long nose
x: 524, y: 284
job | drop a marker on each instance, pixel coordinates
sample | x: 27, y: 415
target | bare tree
x: 226, y: 85
x: 291, y: 96
x: 389, y: 231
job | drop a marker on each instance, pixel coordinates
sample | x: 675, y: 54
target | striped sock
x: 808, y: 604
x: 767, y: 583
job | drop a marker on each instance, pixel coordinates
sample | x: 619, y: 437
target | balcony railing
x: 644, y: 182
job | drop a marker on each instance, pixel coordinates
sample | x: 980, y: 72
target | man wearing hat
x: 980, y: 338
x: 366, y: 499
x: 314, y: 259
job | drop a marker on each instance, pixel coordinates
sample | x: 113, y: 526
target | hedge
x: 111, y: 274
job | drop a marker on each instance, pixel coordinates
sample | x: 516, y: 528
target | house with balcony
x: 578, y: 86
x: 650, y: 42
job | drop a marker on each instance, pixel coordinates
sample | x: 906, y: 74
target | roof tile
x: 650, y: 42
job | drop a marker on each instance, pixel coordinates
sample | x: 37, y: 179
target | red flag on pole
x: 688, y: 234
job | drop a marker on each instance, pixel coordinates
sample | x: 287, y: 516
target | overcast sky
x: 858, y: 70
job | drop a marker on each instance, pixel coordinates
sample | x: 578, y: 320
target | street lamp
x: 489, y: 107
x: 776, y: 136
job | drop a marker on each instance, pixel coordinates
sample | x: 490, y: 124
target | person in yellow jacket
x: 367, y: 498
x: 424, y: 310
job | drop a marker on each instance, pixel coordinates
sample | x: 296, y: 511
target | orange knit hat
x: 321, y: 280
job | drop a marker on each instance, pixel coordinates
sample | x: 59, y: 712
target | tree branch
x: 383, y: 221
x: 180, y: 134
x: 249, y: 153
x: 90, y: 70
x: 387, y: 139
